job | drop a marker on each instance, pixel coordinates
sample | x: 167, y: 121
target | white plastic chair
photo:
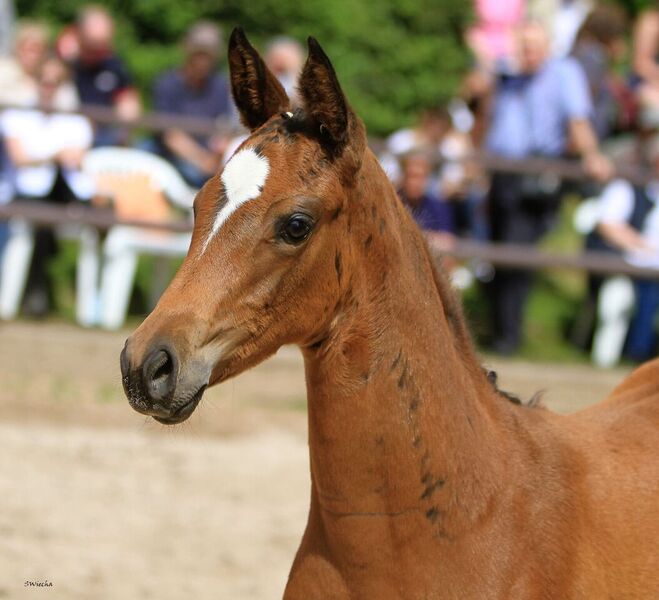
x: 15, y: 267
x: 615, y: 301
x: 124, y: 244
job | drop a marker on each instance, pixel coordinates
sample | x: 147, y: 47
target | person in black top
x: 100, y: 76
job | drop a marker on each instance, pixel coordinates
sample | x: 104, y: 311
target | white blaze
x: 243, y: 179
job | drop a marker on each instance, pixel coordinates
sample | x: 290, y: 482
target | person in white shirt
x: 639, y: 243
x: 629, y: 222
x: 46, y: 148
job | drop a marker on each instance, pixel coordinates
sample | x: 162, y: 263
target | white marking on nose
x: 243, y: 179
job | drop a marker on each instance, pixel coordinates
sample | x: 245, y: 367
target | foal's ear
x: 324, y: 100
x: 256, y: 91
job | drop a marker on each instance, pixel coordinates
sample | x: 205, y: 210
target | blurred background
x: 521, y: 134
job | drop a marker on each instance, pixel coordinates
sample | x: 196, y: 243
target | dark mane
x: 455, y: 318
x: 534, y: 402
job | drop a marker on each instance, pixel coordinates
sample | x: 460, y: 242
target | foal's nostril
x: 164, y: 367
x: 160, y: 374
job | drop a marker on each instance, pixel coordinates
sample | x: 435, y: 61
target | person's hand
x: 646, y: 248
x: 70, y: 158
x: 102, y: 200
x: 442, y: 240
x: 454, y: 190
x: 218, y: 144
x: 598, y: 166
x: 208, y: 162
x: 128, y: 106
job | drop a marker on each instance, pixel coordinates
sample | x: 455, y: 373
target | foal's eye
x: 296, y: 228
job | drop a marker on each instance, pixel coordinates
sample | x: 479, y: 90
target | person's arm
x: 616, y: 205
x: 578, y: 107
x: 20, y: 158
x: 646, y: 36
x: 126, y: 100
x: 178, y: 142
x: 584, y: 141
x: 128, y: 105
x: 71, y: 158
x: 625, y: 237
x: 76, y: 143
x: 187, y: 148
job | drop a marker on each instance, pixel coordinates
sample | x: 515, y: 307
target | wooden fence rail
x: 501, y: 255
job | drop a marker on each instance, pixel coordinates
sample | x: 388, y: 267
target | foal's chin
x: 177, y: 410
x: 181, y: 409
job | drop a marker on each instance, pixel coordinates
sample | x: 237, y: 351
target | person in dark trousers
x: 539, y: 112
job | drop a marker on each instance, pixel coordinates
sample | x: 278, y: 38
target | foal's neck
x: 401, y: 417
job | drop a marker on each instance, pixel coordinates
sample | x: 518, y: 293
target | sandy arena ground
x: 105, y: 504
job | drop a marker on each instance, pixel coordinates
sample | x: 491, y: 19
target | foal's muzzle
x: 152, y: 386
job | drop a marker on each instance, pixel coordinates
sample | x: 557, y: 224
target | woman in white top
x: 46, y: 148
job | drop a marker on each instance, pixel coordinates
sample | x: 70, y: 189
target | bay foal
x: 426, y: 483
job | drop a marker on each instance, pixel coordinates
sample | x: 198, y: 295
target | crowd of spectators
x: 44, y: 81
x: 548, y: 81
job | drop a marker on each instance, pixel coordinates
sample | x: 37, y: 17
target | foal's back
x: 617, y: 444
x: 629, y: 417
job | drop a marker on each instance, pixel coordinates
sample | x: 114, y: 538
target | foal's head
x: 263, y: 268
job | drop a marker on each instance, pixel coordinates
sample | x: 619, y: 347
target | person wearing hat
x: 194, y: 89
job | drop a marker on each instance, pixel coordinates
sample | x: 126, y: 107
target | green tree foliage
x: 393, y: 56
x: 633, y: 7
